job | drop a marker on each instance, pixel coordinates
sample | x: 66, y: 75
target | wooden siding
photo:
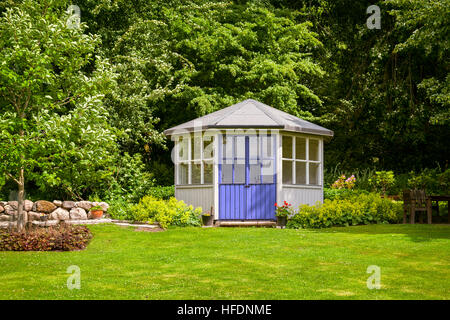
x: 297, y: 195
x: 257, y: 202
x: 197, y: 196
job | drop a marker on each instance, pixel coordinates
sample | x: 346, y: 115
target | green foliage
x: 433, y: 181
x: 341, y: 194
x: 162, y: 192
x: 53, y: 124
x: 283, y: 210
x: 166, y: 212
x: 131, y: 179
x: 59, y: 238
x: 120, y: 209
x: 355, y: 210
x: 382, y: 181
x: 362, y: 176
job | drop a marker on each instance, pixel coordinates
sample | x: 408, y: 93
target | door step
x: 246, y: 223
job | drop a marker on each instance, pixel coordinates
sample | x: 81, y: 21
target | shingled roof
x: 250, y: 114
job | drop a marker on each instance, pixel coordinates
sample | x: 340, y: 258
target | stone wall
x: 56, y: 210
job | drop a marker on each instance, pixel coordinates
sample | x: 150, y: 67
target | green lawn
x: 239, y: 263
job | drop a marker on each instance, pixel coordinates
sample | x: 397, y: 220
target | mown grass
x: 239, y: 263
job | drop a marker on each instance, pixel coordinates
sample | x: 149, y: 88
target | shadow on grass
x: 416, y: 232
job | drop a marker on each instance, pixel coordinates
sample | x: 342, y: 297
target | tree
x: 51, y: 119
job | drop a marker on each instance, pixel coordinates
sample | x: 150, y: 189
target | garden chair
x: 414, y: 200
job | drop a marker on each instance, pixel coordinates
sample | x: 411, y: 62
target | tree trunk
x: 21, y: 214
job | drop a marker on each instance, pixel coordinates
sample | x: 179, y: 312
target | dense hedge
x: 354, y: 210
x: 60, y: 237
x: 167, y: 212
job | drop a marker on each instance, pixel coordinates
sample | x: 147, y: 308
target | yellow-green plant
x: 361, y: 209
x: 166, y: 212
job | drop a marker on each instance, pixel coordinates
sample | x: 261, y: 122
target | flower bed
x: 359, y: 209
x: 57, y: 238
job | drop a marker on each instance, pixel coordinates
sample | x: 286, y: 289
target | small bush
x: 61, y: 238
x: 356, y: 210
x: 120, y: 209
x: 162, y: 192
x: 167, y: 212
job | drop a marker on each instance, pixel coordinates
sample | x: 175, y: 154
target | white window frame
x: 293, y: 160
x: 190, y: 161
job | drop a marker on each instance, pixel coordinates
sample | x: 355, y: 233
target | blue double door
x: 247, y: 177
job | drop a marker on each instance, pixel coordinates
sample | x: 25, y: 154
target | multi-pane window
x: 256, y: 165
x: 301, y: 161
x: 194, y: 161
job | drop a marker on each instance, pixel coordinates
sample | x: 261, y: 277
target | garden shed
x: 238, y: 161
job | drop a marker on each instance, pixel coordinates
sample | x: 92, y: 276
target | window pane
x: 208, y: 147
x: 207, y: 172
x: 255, y: 173
x: 300, y: 148
x: 300, y: 173
x: 196, y: 141
x: 239, y: 173
x: 240, y: 147
x: 287, y: 147
x: 314, y: 169
x: 253, y: 146
x: 183, y: 148
x: 227, y: 151
x: 287, y: 172
x: 183, y: 173
x: 313, y: 149
x: 227, y: 173
x: 267, y: 147
x: 268, y: 171
x: 196, y: 173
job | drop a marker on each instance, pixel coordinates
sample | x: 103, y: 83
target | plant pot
x: 281, y: 221
x: 96, y: 214
x: 208, y: 220
x: 43, y: 218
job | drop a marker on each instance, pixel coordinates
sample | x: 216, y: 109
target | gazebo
x: 236, y: 163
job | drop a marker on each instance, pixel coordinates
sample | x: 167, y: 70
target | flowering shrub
x: 60, y: 237
x: 361, y: 209
x: 382, y: 181
x: 343, y: 182
x: 283, y: 211
x: 167, y: 212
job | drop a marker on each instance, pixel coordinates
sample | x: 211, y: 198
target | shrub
x: 167, y: 212
x: 431, y: 180
x: 355, y: 210
x: 332, y: 194
x: 120, y: 209
x: 131, y: 179
x: 343, y: 182
x: 382, y: 181
x: 162, y: 192
x: 60, y: 237
x: 362, y: 176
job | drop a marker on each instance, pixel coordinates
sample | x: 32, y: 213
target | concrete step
x: 246, y: 223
